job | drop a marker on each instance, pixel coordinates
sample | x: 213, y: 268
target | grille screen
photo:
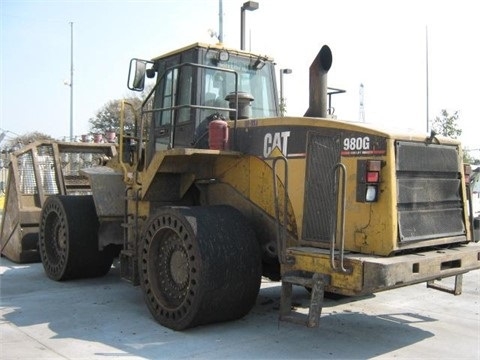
x: 429, y: 200
x: 320, y: 206
x: 28, y: 184
x: 47, y: 169
x: 44, y: 162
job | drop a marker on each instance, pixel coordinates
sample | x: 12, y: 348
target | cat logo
x: 277, y: 141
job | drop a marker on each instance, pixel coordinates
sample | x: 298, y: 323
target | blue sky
x: 378, y: 43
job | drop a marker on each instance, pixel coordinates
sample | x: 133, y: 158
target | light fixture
x: 250, y: 5
x: 223, y: 55
x: 371, y: 193
x: 258, y: 64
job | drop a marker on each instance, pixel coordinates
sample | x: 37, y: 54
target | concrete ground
x: 106, y: 318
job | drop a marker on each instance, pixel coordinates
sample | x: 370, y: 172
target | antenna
x: 71, y: 81
x: 427, y: 81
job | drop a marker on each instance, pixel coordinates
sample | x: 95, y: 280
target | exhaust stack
x: 318, y: 103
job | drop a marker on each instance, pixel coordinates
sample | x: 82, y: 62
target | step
x: 316, y: 282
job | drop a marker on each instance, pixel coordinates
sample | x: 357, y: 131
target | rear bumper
x: 368, y: 274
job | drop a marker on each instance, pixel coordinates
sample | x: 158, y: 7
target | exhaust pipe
x: 318, y: 104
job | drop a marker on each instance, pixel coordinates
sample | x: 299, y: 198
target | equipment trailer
x: 214, y: 189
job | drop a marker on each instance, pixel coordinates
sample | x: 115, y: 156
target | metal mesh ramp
x: 41, y: 169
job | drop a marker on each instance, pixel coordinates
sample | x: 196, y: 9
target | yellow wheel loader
x: 212, y: 188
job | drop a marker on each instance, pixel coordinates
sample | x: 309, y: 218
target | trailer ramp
x: 41, y: 169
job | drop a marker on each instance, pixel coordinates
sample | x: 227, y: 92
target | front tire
x: 199, y: 265
x: 68, y: 239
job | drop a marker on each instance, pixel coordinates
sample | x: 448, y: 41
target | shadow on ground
x: 111, y: 312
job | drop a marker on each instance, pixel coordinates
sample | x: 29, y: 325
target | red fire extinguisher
x: 218, y: 134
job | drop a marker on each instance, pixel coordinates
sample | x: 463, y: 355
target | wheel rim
x: 55, y: 238
x: 169, y: 268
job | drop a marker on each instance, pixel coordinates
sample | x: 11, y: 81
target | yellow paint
x: 253, y: 178
x: 350, y: 283
x: 371, y: 227
x: 248, y: 181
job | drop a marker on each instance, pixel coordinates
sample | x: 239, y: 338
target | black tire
x: 68, y: 239
x: 199, y: 265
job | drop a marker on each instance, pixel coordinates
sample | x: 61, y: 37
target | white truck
x: 475, y: 193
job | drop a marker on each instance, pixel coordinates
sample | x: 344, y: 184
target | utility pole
x: 71, y: 81
x: 220, y: 21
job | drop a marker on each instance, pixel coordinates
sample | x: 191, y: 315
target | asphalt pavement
x: 106, y: 318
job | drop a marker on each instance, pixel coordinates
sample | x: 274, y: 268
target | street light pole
x: 282, y: 99
x: 250, y: 6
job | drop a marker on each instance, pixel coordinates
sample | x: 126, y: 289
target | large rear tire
x: 199, y: 265
x: 68, y: 239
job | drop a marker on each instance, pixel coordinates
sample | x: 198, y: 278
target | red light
x: 374, y: 165
x: 372, y: 177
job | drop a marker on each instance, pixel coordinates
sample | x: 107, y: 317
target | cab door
x: 172, y: 115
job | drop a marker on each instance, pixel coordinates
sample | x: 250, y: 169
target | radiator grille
x: 320, y: 205
x: 429, y: 199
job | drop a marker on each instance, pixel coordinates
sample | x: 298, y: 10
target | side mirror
x: 136, y: 74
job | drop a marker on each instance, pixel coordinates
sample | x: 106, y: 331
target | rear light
x: 373, y: 171
x: 371, y: 193
x: 368, y: 180
x: 374, y: 165
x: 372, y: 177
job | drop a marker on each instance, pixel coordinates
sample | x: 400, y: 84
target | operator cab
x: 199, y: 83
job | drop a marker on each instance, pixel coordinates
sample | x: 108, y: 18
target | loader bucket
x: 41, y: 169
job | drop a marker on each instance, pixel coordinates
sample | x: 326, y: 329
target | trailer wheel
x: 199, y: 265
x: 68, y: 239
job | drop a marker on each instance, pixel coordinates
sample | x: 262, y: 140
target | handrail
x: 342, y: 170
x: 122, y: 136
x: 281, y: 231
x: 125, y: 218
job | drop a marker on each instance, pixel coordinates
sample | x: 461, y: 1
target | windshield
x: 257, y: 83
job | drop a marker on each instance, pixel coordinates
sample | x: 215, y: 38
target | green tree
x: 446, y: 124
x: 108, y: 117
x: 469, y: 159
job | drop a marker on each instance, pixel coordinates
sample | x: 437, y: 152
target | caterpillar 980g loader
x: 212, y: 189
